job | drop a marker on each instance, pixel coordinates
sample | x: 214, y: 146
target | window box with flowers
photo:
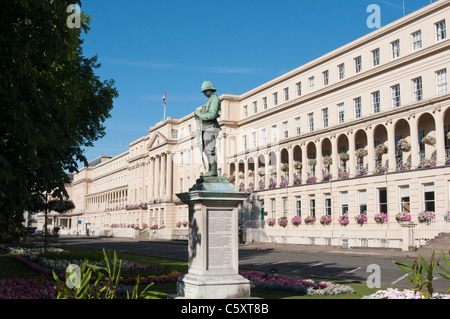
x: 343, y: 220
x: 297, y: 181
x: 284, y: 184
x: 271, y: 221
x: 311, y: 180
x: 361, y: 172
x: 361, y: 152
x: 343, y: 175
x: 327, y: 160
x: 325, y: 220
x: 381, y: 218
x: 381, y: 149
x: 403, y: 145
x: 273, y: 185
x: 427, y: 163
x: 282, y: 221
x: 231, y: 179
x: 296, y: 221
x: 310, y: 220
x: 405, y: 167
x: 380, y: 169
x: 284, y: 167
x: 403, y: 217
x: 361, y: 219
x: 344, y: 156
x: 426, y: 217
x: 429, y: 140
x: 327, y: 177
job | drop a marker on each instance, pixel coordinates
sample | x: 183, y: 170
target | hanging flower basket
x: 312, y: 162
x: 282, y: 221
x: 178, y: 224
x: 296, y: 221
x: 284, y: 167
x: 241, y: 175
x: 403, y: 217
x: 250, y: 173
x: 325, y: 220
x: 381, y: 218
x: 429, y: 140
x: 404, y: 145
x: 271, y: 221
x: 343, y: 220
x: 310, y: 220
x: 272, y: 170
x: 297, y: 165
x: 361, y: 152
x: 185, y: 223
x: 262, y: 171
x: 381, y: 149
x: 327, y: 160
x: 344, y: 156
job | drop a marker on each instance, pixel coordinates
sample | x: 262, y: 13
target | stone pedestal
x: 213, y: 242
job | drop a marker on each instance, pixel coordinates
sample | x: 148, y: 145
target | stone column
x: 439, y: 135
x: 169, y: 180
x: 370, y: 150
x: 391, y: 146
x: 291, y: 164
x: 414, y: 141
x: 157, y: 176
x: 351, y: 153
x: 334, y: 169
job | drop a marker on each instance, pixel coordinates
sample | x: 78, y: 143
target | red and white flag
x: 164, y: 99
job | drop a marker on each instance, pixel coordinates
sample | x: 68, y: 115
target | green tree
x: 52, y: 104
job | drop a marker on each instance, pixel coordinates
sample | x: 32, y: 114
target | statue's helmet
x: 207, y: 85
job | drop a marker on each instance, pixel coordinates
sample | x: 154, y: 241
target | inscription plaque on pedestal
x: 220, y: 239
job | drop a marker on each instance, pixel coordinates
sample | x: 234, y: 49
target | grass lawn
x: 10, y: 268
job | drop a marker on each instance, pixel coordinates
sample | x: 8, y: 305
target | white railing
x: 427, y: 231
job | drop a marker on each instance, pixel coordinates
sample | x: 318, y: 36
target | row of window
x: 417, y: 91
x: 441, y: 34
x: 428, y: 202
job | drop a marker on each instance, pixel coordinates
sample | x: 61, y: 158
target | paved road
x: 324, y: 262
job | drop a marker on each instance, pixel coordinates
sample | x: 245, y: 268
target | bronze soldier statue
x: 208, y: 127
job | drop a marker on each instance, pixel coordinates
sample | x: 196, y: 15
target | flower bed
x: 129, y: 270
x: 26, y: 289
x: 260, y: 280
x: 392, y: 293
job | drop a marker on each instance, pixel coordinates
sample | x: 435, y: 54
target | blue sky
x: 150, y: 46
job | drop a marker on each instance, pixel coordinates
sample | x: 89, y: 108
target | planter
x: 403, y: 217
x: 325, y: 220
x: 310, y: 220
x: 381, y: 149
x: 282, y: 221
x: 296, y: 221
x: 381, y: 218
x: 403, y: 145
x: 343, y: 220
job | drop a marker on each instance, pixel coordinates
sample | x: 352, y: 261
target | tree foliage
x: 52, y: 104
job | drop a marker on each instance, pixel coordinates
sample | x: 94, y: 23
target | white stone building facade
x: 361, y: 130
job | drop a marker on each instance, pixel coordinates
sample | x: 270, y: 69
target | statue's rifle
x: 198, y: 133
